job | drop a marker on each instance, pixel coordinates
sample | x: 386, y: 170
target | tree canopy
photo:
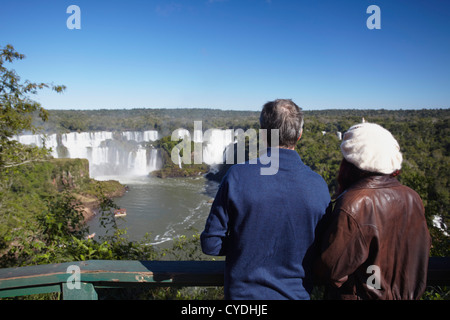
x: 17, y: 110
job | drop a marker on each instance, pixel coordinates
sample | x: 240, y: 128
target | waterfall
x: 109, y: 153
x: 127, y: 153
x: 153, y: 163
x: 214, y: 144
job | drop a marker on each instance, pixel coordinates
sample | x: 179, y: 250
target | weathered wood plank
x: 185, y: 273
x: 25, y: 291
x: 125, y: 273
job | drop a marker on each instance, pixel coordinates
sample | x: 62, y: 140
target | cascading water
x: 109, y: 153
x: 215, y: 143
x: 126, y: 153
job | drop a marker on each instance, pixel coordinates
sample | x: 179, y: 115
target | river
x: 164, y: 208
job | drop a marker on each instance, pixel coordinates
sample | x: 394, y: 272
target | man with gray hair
x: 265, y: 223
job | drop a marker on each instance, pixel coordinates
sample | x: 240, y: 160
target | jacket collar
x: 282, y: 153
x: 376, y: 182
x: 372, y: 182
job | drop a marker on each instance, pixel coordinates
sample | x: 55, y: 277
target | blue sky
x: 233, y: 54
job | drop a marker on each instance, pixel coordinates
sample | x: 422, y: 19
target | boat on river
x: 120, y: 213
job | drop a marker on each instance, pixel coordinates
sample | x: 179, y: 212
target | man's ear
x: 301, y: 132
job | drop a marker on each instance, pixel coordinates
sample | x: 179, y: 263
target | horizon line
x: 245, y: 110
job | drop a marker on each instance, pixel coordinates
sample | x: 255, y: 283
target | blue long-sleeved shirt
x: 264, y: 225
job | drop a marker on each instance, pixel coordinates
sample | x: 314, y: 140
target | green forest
x: 422, y: 134
x: 43, y: 200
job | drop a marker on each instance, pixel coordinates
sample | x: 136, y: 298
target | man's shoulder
x: 242, y: 169
x: 305, y: 176
x: 313, y: 176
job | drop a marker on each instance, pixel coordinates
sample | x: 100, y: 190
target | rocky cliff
x: 73, y: 175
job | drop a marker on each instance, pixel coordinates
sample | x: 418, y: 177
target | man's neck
x: 288, y: 148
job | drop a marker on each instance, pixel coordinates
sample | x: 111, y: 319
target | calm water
x: 164, y: 208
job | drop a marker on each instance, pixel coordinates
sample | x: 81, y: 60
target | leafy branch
x: 17, y: 110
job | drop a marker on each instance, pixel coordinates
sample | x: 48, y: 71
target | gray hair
x: 284, y: 115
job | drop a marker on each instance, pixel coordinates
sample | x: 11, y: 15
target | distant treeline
x: 167, y: 120
x: 162, y: 120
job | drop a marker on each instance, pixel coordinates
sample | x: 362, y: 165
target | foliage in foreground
x: 59, y: 235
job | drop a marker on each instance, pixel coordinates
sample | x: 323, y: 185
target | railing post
x: 85, y: 292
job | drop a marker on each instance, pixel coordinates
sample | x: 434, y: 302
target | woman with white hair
x: 376, y: 241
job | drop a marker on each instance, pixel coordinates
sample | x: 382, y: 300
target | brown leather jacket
x: 376, y: 222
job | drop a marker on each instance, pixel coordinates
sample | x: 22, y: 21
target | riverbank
x: 194, y: 170
x: 73, y: 175
x: 90, y: 203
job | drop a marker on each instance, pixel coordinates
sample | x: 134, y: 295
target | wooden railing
x: 79, y: 280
